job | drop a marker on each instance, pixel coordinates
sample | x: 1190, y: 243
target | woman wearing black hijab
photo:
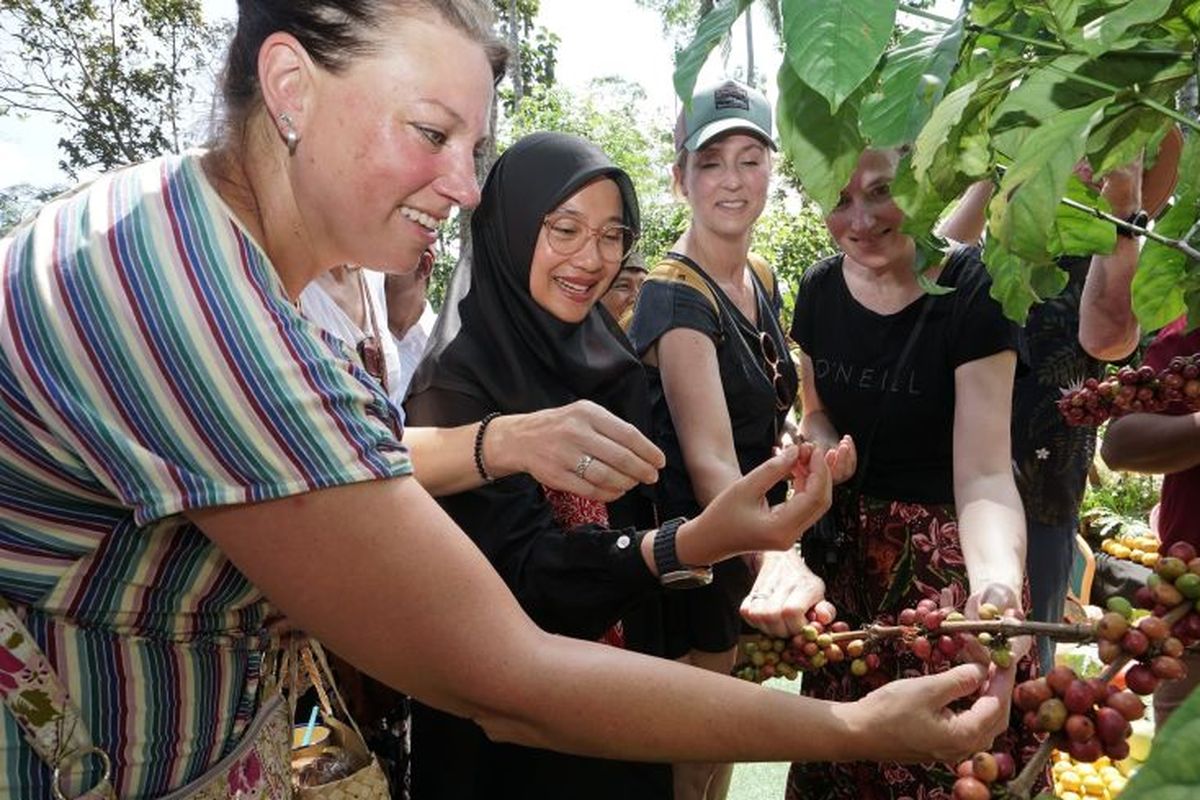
x: 521, y: 331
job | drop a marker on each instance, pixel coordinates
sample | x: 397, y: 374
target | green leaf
x: 1157, y: 290
x: 823, y: 147
x: 921, y: 203
x: 1077, y: 232
x: 835, y: 44
x: 1016, y: 283
x: 1023, y: 211
x: 712, y: 29
x: 912, y: 82
x: 1118, y: 141
x: 1172, y: 772
x: 937, y: 131
x: 1105, y: 32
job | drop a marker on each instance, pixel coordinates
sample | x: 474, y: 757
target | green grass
x: 762, y: 781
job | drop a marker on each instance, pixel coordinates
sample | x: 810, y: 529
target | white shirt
x: 322, y: 309
x: 412, y: 346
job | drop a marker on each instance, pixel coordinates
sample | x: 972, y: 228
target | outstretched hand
x: 740, y: 520
x: 910, y: 720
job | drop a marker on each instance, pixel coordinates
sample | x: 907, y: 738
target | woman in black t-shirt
x: 933, y: 510
x: 722, y: 383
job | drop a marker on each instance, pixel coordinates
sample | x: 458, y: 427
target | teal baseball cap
x: 723, y: 108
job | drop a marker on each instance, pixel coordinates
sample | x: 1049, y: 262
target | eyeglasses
x: 783, y: 398
x: 566, y: 236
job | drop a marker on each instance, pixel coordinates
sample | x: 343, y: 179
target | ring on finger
x: 759, y: 595
x: 585, y: 461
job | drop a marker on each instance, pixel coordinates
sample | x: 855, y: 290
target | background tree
x: 120, y: 77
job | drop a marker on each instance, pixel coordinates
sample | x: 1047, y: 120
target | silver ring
x: 585, y: 461
x: 759, y: 595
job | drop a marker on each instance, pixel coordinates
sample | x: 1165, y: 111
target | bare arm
x: 1107, y: 328
x: 1152, y: 443
x: 546, y: 444
x: 384, y: 555
x: 966, y: 222
x: 991, y: 520
x: 815, y: 426
x: 691, y: 378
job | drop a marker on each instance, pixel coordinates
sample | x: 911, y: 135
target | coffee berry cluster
x: 1130, y: 389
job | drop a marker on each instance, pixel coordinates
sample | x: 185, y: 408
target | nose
x: 459, y: 183
x: 589, y: 257
x: 862, y: 218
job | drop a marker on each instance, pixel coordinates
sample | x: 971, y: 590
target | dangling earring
x: 291, y: 136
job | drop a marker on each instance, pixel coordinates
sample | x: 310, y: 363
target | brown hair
x: 334, y: 33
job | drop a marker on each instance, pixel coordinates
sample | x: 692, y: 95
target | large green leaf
x: 1080, y: 233
x: 712, y: 29
x: 1105, y: 32
x: 1018, y: 284
x: 1118, y: 141
x: 833, y: 45
x: 1023, y: 211
x: 1172, y: 772
x: 945, y: 116
x: 913, y: 81
x: 824, y: 147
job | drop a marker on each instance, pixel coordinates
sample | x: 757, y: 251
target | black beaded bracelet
x: 479, y: 466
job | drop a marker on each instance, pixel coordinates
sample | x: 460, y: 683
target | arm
x: 815, y: 426
x: 691, y: 378
x: 966, y: 222
x: 546, y: 444
x: 408, y: 578
x: 1153, y: 443
x: 1108, y: 329
x: 991, y: 520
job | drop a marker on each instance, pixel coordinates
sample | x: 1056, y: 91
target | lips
x: 576, y: 290
x: 426, y: 221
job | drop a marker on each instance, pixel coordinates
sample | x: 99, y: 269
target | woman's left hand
x: 783, y: 592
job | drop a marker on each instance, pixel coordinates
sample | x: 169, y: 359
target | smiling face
x: 866, y: 222
x: 387, y: 147
x: 567, y: 286
x: 725, y: 183
x: 624, y: 291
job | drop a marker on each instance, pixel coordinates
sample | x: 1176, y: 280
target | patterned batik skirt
x: 895, y: 555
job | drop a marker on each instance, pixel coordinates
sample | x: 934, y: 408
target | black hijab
x: 492, y: 341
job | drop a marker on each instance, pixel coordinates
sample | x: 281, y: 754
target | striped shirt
x: 151, y: 363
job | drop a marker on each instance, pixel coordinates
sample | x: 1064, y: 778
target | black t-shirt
x: 746, y: 376
x: 1051, y: 458
x: 854, y: 352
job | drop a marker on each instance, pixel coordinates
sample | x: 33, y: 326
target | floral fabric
x: 900, y: 553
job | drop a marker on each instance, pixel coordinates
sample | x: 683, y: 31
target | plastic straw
x: 308, y: 729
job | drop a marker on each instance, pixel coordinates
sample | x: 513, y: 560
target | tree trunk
x: 514, y: 46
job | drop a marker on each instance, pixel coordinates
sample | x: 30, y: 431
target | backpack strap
x: 766, y: 275
x: 671, y: 270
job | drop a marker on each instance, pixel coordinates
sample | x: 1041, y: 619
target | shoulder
x: 820, y: 273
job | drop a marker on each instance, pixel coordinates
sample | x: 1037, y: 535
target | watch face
x: 687, y: 578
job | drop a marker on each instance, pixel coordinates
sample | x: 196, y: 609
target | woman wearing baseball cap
x: 722, y: 385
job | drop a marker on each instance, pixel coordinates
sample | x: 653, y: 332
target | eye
x: 842, y: 202
x: 882, y: 190
x: 565, y: 227
x: 614, y: 234
x: 435, y: 137
x: 750, y: 163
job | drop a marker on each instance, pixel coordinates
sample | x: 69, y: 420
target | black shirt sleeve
x: 978, y: 327
x: 575, y: 582
x: 664, y: 306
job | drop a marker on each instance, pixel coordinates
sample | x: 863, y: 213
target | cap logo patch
x: 731, y: 96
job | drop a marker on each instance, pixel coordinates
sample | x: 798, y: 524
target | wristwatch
x: 671, y: 573
x: 1137, y: 219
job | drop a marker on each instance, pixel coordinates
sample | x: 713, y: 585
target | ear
x: 286, y: 77
x: 677, y: 180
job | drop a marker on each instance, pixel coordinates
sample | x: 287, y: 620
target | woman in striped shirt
x: 178, y: 445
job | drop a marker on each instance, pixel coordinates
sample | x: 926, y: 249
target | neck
x: 722, y: 257
x: 253, y: 182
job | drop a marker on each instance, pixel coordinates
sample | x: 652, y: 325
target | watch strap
x: 666, y: 560
x: 1138, y: 219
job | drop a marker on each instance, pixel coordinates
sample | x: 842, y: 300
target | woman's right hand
x: 908, y: 720
x: 739, y: 519
x: 843, y: 460
x: 580, y: 448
